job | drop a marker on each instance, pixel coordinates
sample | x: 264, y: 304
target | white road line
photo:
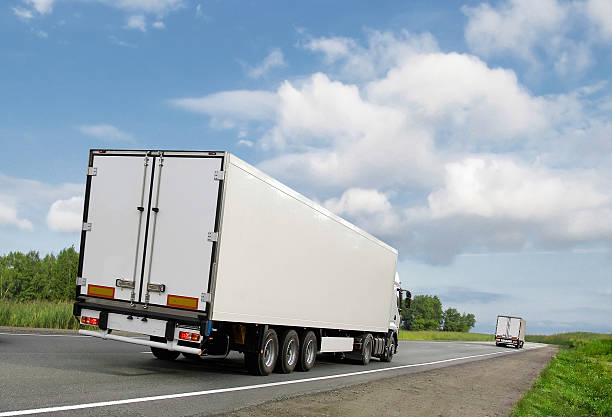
x: 232, y: 389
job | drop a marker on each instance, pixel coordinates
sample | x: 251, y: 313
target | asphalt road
x: 82, y: 376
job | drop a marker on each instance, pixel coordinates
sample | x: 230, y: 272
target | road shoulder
x: 481, y: 388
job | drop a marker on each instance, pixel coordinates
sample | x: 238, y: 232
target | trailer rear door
x: 148, y: 217
x: 114, y: 224
x: 179, y: 251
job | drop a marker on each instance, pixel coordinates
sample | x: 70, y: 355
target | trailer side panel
x: 284, y: 260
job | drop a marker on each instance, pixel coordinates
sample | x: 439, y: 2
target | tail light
x: 93, y: 321
x: 193, y: 337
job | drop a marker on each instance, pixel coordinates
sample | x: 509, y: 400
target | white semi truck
x: 205, y: 254
x: 510, y: 331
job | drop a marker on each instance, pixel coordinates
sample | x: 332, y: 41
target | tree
x: 452, y: 320
x: 425, y: 313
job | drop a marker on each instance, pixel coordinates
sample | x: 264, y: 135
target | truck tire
x: 288, y: 353
x: 366, y: 349
x: 263, y: 361
x: 387, y: 356
x: 308, y: 351
x: 163, y: 354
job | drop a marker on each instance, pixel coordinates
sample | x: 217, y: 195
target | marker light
x: 195, y: 337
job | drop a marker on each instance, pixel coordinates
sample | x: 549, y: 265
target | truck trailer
x: 510, y: 331
x: 204, y: 254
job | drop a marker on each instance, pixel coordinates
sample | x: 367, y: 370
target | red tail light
x: 90, y: 320
x: 184, y: 335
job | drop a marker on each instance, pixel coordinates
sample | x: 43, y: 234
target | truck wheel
x: 388, y: 355
x: 366, y: 349
x: 163, y: 354
x: 289, y: 352
x: 263, y: 362
x: 308, y: 351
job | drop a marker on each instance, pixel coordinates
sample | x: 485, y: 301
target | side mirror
x: 408, y: 298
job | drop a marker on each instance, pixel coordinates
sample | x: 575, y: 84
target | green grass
x: 438, y: 335
x: 578, y: 382
x: 572, y: 339
x: 41, y: 314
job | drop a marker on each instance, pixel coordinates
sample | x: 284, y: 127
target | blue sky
x: 474, y: 137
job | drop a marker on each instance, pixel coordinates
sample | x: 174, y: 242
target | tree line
x: 425, y: 313
x: 28, y: 276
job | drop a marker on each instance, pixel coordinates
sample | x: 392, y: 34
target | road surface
x: 83, y: 376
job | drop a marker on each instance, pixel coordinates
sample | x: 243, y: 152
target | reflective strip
x: 100, y: 291
x: 182, y: 302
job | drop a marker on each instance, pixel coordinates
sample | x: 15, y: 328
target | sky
x: 474, y: 137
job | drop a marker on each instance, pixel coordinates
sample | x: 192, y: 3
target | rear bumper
x: 194, y: 318
x: 504, y: 341
x: 169, y: 345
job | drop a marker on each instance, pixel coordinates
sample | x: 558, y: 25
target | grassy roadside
x: 40, y: 314
x: 578, y: 382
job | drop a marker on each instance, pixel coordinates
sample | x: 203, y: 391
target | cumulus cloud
x: 274, y: 59
x: 24, y: 203
x: 9, y: 217
x: 159, y: 25
x: 540, y: 30
x: 66, y: 215
x: 436, y: 152
x: 105, y: 132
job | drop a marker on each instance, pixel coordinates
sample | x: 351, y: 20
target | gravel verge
x: 487, y: 387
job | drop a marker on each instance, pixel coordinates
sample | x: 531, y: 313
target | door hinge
x: 81, y: 281
x: 156, y: 288
x: 87, y: 227
x: 205, y: 297
x: 219, y: 175
x: 213, y: 236
x: 123, y: 283
x: 92, y: 171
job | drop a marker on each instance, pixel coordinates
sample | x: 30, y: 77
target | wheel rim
x: 269, y: 353
x: 309, y: 351
x: 368, y: 348
x: 291, y: 352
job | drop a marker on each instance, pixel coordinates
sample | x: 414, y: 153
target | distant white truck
x: 205, y: 254
x: 510, y: 331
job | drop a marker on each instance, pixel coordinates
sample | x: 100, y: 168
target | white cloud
x: 159, y: 25
x: 275, y: 59
x: 66, y: 215
x: 241, y: 104
x: 137, y: 22
x: 333, y: 48
x: 600, y: 12
x: 22, y: 13
x: 472, y: 159
x: 366, y: 207
x: 9, y: 217
x: 32, y: 198
x: 41, y: 6
x: 245, y: 142
x: 540, y: 31
x: 105, y: 132
x: 158, y: 7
